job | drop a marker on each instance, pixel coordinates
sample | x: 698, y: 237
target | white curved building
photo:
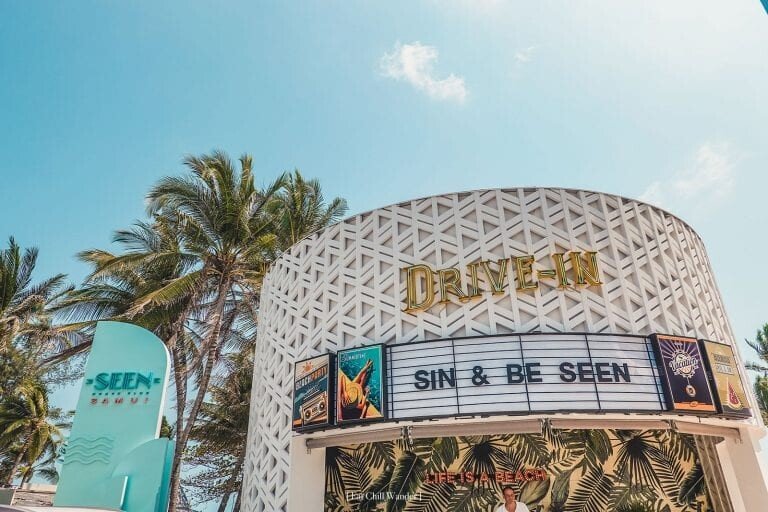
x: 557, y: 261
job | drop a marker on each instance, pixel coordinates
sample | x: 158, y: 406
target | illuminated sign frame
x: 721, y: 373
x: 368, y: 362
x: 313, y: 399
x: 527, y: 373
x: 684, y: 375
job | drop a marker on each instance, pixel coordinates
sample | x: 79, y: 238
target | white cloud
x: 413, y: 63
x: 708, y: 176
x: 525, y: 55
x: 653, y: 194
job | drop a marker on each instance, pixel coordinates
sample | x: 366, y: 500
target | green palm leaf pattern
x: 406, y: 478
x: 635, y: 450
x: 432, y: 498
x: 592, y: 494
x: 378, y: 486
x: 355, y: 474
x: 587, y: 471
x: 692, y: 486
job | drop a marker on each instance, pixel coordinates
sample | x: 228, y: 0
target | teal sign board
x: 114, y: 458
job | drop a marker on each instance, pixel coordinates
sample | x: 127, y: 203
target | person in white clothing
x: 510, y: 502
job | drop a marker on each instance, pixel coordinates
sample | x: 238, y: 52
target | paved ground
x: 33, y: 498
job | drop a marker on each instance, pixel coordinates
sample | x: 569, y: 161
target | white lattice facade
x: 344, y: 286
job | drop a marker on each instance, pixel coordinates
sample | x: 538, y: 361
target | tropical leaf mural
x: 556, y: 471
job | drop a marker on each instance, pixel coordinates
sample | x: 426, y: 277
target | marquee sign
x: 523, y: 373
x: 516, y: 373
x: 729, y: 390
x: 686, y: 384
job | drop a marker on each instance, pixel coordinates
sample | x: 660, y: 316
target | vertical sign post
x: 114, y: 457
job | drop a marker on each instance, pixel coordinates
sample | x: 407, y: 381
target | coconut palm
x: 225, y: 226
x: 44, y: 466
x: 760, y: 387
x: 300, y: 209
x: 27, y: 332
x: 220, y: 433
x: 21, y: 301
x: 192, y: 274
x: 760, y: 345
x: 152, y: 258
x: 28, y: 425
x: 761, y: 394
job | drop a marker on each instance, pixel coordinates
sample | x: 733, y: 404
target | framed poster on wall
x: 360, y: 385
x: 312, y: 392
x: 684, y: 377
x: 729, y: 389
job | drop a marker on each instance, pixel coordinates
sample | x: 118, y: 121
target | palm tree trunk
x: 27, y: 477
x: 238, y: 500
x: 182, y: 436
x: 237, y: 472
x: 17, y: 462
x: 180, y: 381
x: 224, y: 501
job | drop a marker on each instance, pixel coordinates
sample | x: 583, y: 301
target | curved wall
x: 345, y: 286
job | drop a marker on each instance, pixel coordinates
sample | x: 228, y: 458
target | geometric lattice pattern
x: 344, y: 286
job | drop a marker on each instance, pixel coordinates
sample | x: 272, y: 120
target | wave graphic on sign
x: 84, y: 450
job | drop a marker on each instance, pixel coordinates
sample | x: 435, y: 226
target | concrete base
x: 745, y: 472
x: 307, y: 477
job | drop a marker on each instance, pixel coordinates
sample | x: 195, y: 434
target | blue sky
x: 387, y: 101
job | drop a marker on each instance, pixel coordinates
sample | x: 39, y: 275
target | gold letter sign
x: 420, y: 279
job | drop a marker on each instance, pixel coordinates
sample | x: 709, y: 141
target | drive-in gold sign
x: 426, y: 286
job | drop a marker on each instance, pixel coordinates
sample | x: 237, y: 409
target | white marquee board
x: 522, y: 374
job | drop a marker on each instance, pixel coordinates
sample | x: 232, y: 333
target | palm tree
x: 44, y: 465
x: 301, y: 210
x: 220, y: 434
x: 20, y: 301
x: 761, y: 393
x: 28, y: 425
x: 224, y: 224
x: 760, y: 345
x: 760, y: 387
x: 27, y: 332
x: 192, y: 274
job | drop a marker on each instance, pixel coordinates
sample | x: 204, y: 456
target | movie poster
x: 311, y: 390
x: 360, y: 384
x: 683, y: 374
x: 729, y: 390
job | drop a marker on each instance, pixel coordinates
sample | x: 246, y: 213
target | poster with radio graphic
x: 684, y: 377
x: 729, y: 390
x: 360, y: 385
x: 311, y: 392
